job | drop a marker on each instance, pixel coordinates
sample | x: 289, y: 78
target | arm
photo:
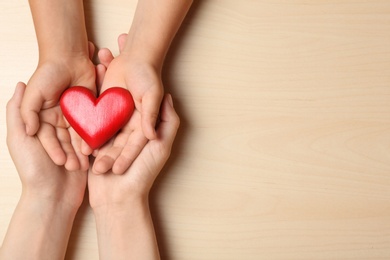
x: 63, y: 62
x: 120, y: 202
x: 60, y: 28
x: 154, y: 26
x: 138, y: 68
x: 62, y: 40
x: 126, y: 231
x: 39, y: 229
x: 42, y: 221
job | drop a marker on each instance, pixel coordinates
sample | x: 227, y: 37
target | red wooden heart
x: 96, y: 120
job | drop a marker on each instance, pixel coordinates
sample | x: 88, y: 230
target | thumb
x: 122, y: 41
x: 30, y: 107
x: 170, y: 122
x: 15, y: 124
x: 149, y: 113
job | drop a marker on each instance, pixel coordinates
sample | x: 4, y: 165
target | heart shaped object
x: 96, y: 120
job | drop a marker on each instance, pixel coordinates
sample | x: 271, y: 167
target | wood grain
x: 284, y: 146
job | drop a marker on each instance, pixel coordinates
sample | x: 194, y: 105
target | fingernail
x: 170, y: 100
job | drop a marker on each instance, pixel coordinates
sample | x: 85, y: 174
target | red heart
x: 96, y: 120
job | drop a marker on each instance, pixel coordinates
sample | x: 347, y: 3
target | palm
x: 38, y: 173
x: 122, y: 149
x: 125, y: 147
x: 51, y: 80
x: 58, y: 137
x: 109, y: 189
x: 145, y: 85
x: 139, y: 80
x: 51, y: 181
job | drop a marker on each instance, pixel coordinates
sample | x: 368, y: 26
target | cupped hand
x: 144, y: 83
x: 39, y: 175
x: 43, y: 92
x: 106, y: 190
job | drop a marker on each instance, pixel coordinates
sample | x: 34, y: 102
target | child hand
x: 43, y: 92
x: 145, y: 85
x: 110, y: 189
x: 42, y: 221
x: 120, y: 202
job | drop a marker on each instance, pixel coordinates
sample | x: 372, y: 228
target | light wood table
x: 284, y: 146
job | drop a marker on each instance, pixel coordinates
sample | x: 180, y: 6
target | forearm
x: 60, y: 27
x: 39, y: 229
x: 154, y: 26
x: 126, y: 232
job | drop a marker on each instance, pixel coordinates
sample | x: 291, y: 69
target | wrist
x: 145, y: 48
x: 148, y: 36
x: 51, y: 205
x: 62, y: 54
x: 71, y: 58
x: 67, y: 70
x: 126, y: 231
x: 143, y: 58
x: 118, y: 208
x: 141, y: 68
x: 40, y: 227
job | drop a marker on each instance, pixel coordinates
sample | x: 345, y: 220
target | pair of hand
x: 51, y: 195
x: 60, y: 141
x: 43, y: 179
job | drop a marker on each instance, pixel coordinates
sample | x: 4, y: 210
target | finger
x: 100, y: 73
x: 157, y: 151
x: 95, y: 153
x: 15, y: 124
x: 53, y: 131
x: 30, y: 107
x: 170, y: 122
x: 48, y: 138
x: 91, y: 49
x: 53, y: 117
x: 72, y: 163
x: 104, y: 162
x: 149, y: 113
x: 105, y: 56
x: 122, y: 41
x: 76, y: 142
x: 83, y: 161
x: 85, y: 148
x: 129, y: 152
x: 66, y: 139
x: 14, y: 120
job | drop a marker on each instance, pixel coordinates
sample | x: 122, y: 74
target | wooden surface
x: 284, y: 146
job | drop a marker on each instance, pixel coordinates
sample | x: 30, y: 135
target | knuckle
x: 164, y: 151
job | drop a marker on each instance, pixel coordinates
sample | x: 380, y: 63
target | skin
x: 64, y: 62
x: 51, y: 195
x: 138, y: 68
x: 120, y: 202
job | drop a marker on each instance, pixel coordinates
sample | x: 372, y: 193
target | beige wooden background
x: 284, y: 146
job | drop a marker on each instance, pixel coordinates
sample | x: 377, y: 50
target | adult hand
x: 120, y: 202
x: 51, y: 195
x: 39, y: 175
x: 110, y: 189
